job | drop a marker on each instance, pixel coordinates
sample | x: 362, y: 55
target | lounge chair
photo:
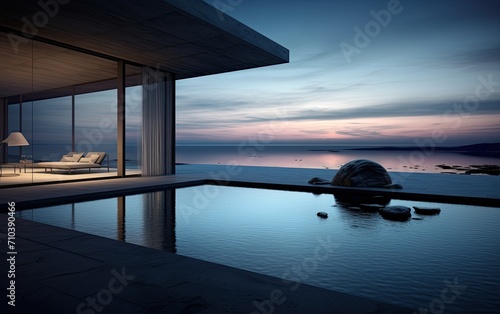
x: 74, y: 161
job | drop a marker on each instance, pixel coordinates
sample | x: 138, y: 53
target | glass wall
x: 133, y: 127
x: 47, y: 127
x: 14, y: 125
x: 26, y: 152
x: 95, y: 123
x: 64, y: 101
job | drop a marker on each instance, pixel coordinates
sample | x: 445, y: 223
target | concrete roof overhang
x: 187, y: 37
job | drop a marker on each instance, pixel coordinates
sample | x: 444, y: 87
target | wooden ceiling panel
x: 52, y: 67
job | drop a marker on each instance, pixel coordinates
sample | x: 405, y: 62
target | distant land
x: 490, y: 149
x: 482, y: 149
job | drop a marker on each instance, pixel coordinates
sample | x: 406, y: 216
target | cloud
x: 489, y: 54
x: 225, y: 113
x: 319, y: 132
x: 359, y: 133
x: 419, y: 69
x: 386, y: 111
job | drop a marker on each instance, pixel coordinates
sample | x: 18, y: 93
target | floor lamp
x: 14, y: 139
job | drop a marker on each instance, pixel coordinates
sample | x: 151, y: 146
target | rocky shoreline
x: 471, y: 169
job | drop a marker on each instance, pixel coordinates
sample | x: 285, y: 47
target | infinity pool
x: 443, y: 264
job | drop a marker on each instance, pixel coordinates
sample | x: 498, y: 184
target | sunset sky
x: 379, y: 72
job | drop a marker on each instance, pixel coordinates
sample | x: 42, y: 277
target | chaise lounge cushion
x: 71, y: 157
x: 99, y: 159
x: 90, y: 160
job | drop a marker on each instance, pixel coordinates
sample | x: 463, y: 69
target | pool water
x: 444, y: 263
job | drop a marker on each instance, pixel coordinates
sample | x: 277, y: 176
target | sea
x: 332, y: 157
x: 293, y: 156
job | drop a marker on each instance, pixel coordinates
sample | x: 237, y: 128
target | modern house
x: 64, y: 63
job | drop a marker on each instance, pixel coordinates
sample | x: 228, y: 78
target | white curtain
x: 157, y: 122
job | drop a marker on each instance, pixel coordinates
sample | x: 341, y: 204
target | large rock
x: 362, y: 173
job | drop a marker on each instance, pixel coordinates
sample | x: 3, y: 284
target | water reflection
x: 147, y: 219
x: 354, y: 215
x: 120, y: 226
x: 159, y: 220
x: 156, y: 228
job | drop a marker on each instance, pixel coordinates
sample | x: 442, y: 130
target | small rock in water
x: 400, y: 213
x: 427, y: 210
x: 322, y: 215
x: 371, y: 207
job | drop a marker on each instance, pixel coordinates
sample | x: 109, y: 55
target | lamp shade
x: 16, y: 139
